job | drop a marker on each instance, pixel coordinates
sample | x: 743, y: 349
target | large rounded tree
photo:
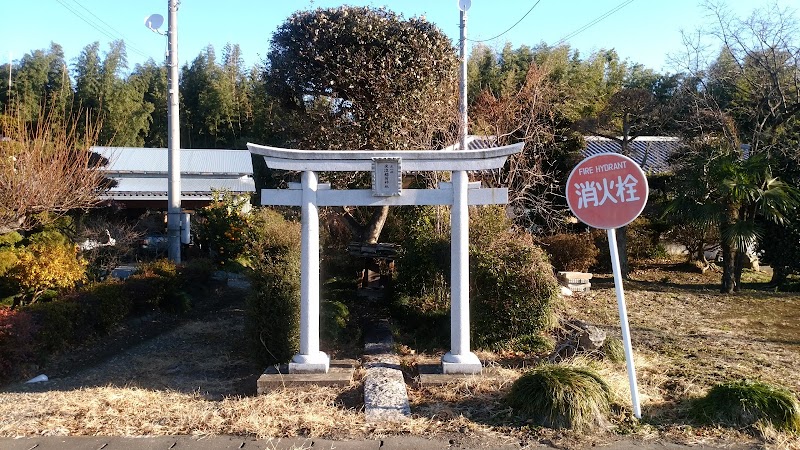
x: 364, y: 79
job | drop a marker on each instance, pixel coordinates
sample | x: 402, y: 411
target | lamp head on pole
x: 464, y: 5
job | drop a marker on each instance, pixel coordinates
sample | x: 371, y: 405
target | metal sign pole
x: 623, y: 318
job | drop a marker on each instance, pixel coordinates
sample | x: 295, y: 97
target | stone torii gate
x: 386, y: 168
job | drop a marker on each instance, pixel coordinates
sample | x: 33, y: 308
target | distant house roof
x: 655, y: 151
x: 193, y: 161
x: 650, y: 152
x: 142, y: 173
x: 475, y: 142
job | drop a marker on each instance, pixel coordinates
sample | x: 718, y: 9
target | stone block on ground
x: 582, y: 287
x: 340, y: 373
x: 574, y: 277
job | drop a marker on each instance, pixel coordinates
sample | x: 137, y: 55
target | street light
x: 154, y: 22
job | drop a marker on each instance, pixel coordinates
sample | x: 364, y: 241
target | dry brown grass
x: 118, y: 411
x: 114, y: 411
x: 686, y: 338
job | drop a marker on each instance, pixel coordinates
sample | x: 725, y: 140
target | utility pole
x: 174, y: 138
x: 154, y: 22
x: 462, y: 82
x: 10, y: 62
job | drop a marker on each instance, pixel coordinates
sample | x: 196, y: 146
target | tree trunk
x: 737, y: 268
x: 728, y: 269
x: 779, y: 275
x: 375, y: 225
x: 368, y: 233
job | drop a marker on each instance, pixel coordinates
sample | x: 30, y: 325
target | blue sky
x: 642, y: 31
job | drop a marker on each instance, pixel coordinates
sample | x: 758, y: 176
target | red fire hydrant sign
x: 607, y: 191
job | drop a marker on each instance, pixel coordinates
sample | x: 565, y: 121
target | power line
x: 593, y: 22
x: 110, y: 27
x: 510, y: 28
x: 94, y: 25
x: 78, y: 15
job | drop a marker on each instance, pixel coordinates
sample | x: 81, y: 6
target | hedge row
x: 30, y: 333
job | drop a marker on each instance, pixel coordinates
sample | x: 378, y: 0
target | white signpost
x: 386, y: 167
x: 609, y: 191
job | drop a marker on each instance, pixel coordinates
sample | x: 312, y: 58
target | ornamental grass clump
x: 743, y: 403
x: 613, y: 350
x: 561, y: 397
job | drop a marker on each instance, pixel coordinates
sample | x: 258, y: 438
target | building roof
x: 155, y: 188
x: 650, y: 152
x: 142, y: 173
x: 654, y: 151
x: 193, y: 161
x: 475, y: 142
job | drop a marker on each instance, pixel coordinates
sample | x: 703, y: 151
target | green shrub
x: 60, y: 324
x: 420, y: 303
x: 643, y: 240
x: 532, y: 343
x: 196, y: 273
x: 222, y: 226
x: 334, y: 318
x: 745, y: 402
x: 571, y: 252
x: 146, y: 292
x: 157, y: 286
x: 8, y: 259
x: 423, y: 266
x: 511, y: 282
x: 110, y: 302
x: 613, y: 350
x: 16, y: 341
x: 512, y: 287
x: 10, y: 239
x: 561, y: 397
x: 273, y: 307
x: 162, y: 267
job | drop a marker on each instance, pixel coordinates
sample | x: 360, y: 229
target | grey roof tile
x: 650, y: 152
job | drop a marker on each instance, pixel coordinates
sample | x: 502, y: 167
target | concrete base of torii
x: 461, y: 364
x: 315, y: 363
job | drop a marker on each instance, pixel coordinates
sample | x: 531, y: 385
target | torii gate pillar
x: 386, y: 167
x: 310, y: 359
x: 460, y: 359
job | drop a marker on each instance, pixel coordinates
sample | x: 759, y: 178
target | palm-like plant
x: 716, y: 185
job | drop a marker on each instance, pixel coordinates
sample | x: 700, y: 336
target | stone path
x: 385, y: 395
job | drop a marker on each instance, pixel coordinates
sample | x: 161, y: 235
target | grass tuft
x: 745, y: 402
x: 613, y: 350
x: 561, y: 397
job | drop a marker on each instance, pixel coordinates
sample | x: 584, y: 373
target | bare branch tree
x: 45, y: 167
x: 525, y: 115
